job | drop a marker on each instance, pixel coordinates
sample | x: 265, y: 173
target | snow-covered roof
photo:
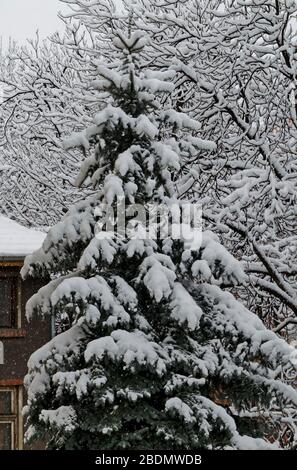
x: 17, y: 241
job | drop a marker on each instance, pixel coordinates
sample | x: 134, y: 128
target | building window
x: 7, y: 402
x: 6, y: 435
x: 10, y: 418
x: 9, y: 300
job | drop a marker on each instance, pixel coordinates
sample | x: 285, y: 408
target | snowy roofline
x: 17, y: 241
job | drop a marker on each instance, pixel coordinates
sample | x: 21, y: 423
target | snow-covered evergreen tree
x: 157, y: 355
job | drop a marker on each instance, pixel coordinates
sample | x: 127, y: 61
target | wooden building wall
x: 18, y: 340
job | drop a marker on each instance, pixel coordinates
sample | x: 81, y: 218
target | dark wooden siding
x: 20, y: 342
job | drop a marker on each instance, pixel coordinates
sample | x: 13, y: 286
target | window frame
x: 15, y: 299
x: 15, y: 418
x: 12, y: 422
x: 13, y: 392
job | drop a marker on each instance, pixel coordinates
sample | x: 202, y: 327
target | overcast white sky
x: 21, y: 18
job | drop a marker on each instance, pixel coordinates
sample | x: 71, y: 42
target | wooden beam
x: 11, y: 382
x: 13, y: 333
x: 11, y: 264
